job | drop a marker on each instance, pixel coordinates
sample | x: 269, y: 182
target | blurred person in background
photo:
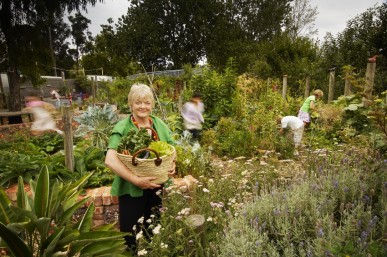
x: 43, y: 121
x: 192, y: 113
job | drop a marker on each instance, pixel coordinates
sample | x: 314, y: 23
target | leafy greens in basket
x: 139, y: 139
x: 134, y: 141
x: 161, y: 147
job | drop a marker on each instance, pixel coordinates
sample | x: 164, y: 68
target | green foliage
x: 81, y: 35
x: 233, y: 138
x: 284, y: 145
x: 116, y: 93
x: 48, y: 143
x: 104, y: 54
x: 134, y: 141
x: 27, y: 159
x: 355, y: 114
x: 91, y: 160
x: 192, y: 160
x: 283, y: 55
x: 41, y: 223
x: 96, y: 123
x: 161, y: 147
x: 217, y: 89
x: 13, y: 165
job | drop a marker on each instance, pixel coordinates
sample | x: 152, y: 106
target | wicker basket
x: 156, y: 167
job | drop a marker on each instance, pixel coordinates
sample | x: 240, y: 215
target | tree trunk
x: 3, y: 102
x: 14, y: 90
x: 307, y: 86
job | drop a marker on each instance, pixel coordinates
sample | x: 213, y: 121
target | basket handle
x: 158, y: 160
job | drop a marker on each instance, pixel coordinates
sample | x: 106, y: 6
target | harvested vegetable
x: 134, y: 141
x: 161, y: 147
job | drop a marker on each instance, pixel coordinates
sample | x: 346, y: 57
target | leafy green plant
x: 283, y: 144
x: 134, y: 141
x: 161, y: 147
x: 40, y: 224
x: 96, y: 123
x: 192, y: 160
x: 14, y: 164
x: 48, y: 143
x: 91, y: 159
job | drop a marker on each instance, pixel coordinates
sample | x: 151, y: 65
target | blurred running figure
x: 193, y: 116
x: 43, y: 122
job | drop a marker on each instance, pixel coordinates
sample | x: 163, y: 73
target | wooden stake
x: 370, y: 77
x: 284, y: 86
x: 68, y: 137
x: 331, y: 85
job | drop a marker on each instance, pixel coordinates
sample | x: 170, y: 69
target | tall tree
x: 61, y: 32
x: 283, y: 55
x: 166, y: 32
x: 301, y: 19
x: 361, y: 39
x: 260, y: 19
x: 356, y: 42
x: 81, y: 35
x: 107, y: 53
x: 175, y: 32
x: 24, y: 24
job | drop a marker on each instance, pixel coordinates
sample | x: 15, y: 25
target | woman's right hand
x: 146, y: 183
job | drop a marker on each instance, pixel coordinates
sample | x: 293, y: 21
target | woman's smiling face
x: 142, y: 108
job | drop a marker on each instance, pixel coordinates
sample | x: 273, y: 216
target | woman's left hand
x: 172, y: 171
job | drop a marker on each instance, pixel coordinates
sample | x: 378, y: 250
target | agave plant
x: 41, y: 223
x: 97, y: 123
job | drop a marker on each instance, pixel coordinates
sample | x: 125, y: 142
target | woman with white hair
x: 138, y: 196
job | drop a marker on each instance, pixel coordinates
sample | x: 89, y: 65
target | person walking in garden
x: 297, y: 127
x: 192, y: 114
x: 138, y: 196
x: 308, y: 106
x: 43, y: 121
x: 56, y: 96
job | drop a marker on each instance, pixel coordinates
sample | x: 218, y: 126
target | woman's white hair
x: 140, y: 91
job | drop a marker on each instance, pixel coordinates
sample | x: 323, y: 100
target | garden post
x: 331, y: 84
x: 196, y: 223
x: 68, y: 137
x: 347, y: 85
x: 62, y: 73
x: 370, y: 76
x: 284, y: 86
x: 307, y: 86
x: 94, y: 82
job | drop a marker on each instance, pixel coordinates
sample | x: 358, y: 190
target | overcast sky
x: 332, y: 17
